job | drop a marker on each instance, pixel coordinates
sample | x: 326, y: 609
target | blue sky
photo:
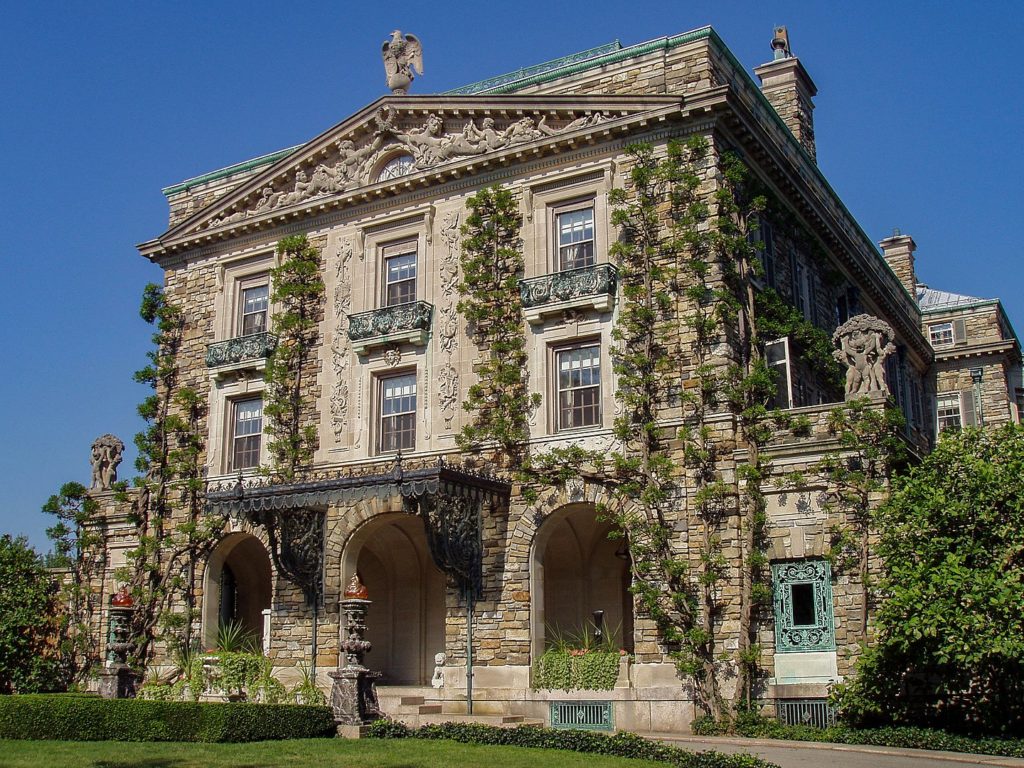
x: 918, y: 122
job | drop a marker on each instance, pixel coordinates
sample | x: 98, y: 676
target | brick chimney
x: 788, y: 87
x: 899, y: 254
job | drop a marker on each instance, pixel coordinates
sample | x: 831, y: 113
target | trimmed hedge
x: 95, y: 719
x: 621, y: 744
x: 905, y: 737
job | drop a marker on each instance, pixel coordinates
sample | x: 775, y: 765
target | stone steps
x: 501, y: 721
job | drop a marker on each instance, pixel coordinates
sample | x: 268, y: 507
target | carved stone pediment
x: 398, y: 138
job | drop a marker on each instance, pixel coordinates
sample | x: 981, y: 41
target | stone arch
x: 406, y: 622
x: 576, y: 569
x: 238, y: 585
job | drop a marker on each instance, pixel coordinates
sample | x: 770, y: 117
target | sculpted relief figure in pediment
x: 428, y: 145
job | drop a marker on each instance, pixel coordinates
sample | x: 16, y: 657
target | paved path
x: 796, y: 754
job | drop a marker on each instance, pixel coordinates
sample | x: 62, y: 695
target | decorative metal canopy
x: 448, y: 499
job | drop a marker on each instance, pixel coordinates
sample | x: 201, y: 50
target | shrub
x: 572, y: 669
x: 754, y: 726
x: 95, y: 719
x: 622, y: 744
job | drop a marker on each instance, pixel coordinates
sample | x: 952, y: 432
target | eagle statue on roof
x: 401, y: 55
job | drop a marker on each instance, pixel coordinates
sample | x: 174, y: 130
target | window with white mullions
x: 575, y: 232
x: 776, y: 355
x: 398, y: 413
x: 948, y: 411
x: 255, y: 301
x: 579, y: 386
x: 246, y: 433
x: 940, y: 334
x: 399, y: 274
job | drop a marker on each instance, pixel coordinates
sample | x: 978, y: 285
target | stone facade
x: 383, y: 196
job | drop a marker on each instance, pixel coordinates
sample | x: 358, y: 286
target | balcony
x: 400, y: 324
x: 584, y: 288
x: 240, y: 352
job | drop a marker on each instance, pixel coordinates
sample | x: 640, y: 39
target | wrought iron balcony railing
x: 408, y: 322
x: 255, y: 346
x: 592, y: 286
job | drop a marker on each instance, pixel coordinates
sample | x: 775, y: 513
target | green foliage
x: 949, y: 650
x: 754, y: 726
x: 298, y: 288
x: 568, y: 669
x: 29, y: 660
x: 492, y: 263
x: 167, y: 501
x: 233, y: 637
x: 857, y: 474
x: 77, y: 541
x: 622, y: 744
x: 95, y: 719
x: 777, y: 318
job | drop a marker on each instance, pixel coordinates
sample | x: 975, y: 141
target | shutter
x: 968, y: 409
x: 959, y: 331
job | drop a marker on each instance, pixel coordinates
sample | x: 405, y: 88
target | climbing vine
x: 298, y: 288
x: 858, y: 474
x: 167, y: 507
x: 492, y: 263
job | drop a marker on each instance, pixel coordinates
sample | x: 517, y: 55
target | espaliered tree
x: 859, y: 472
x: 298, y: 289
x: 167, y: 505
x: 78, y: 546
x: 492, y: 263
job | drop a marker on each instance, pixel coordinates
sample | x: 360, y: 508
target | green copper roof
x: 577, y: 62
x: 482, y: 86
x: 223, y: 173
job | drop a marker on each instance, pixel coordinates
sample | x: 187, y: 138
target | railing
x: 387, y: 321
x: 255, y: 346
x: 596, y: 280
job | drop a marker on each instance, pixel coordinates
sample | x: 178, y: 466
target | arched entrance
x: 405, y: 623
x: 578, y: 569
x: 238, y: 586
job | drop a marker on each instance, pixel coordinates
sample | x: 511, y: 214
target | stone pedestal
x: 118, y: 682
x: 354, y: 693
x: 354, y: 696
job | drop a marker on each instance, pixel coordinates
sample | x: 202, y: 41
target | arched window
x: 396, y: 167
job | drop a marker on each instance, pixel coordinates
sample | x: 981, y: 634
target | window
x: 579, y: 386
x: 399, y: 273
x: 776, y: 355
x: 801, y: 287
x: 246, y: 432
x: 396, y: 167
x: 574, y: 235
x: 760, y: 235
x: 803, y: 607
x: 941, y: 334
x: 397, y: 413
x: 948, y: 411
x: 253, y: 304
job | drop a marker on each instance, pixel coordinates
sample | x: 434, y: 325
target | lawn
x: 322, y: 753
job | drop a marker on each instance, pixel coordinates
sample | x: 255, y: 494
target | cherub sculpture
x: 105, y: 456
x: 864, y: 342
x: 401, y: 56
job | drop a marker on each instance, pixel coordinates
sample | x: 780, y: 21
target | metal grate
x: 816, y: 712
x: 582, y: 715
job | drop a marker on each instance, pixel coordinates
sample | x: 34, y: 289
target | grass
x: 323, y: 753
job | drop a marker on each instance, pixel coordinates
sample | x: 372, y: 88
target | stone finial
x: 780, y: 44
x: 401, y: 56
x: 864, y: 342
x: 356, y: 590
x: 105, y: 456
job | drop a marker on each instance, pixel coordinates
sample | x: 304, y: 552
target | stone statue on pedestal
x: 864, y: 342
x: 401, y: 56
x: 105, y: 456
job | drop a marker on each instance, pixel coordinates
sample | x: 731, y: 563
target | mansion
x: 455, y: 558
